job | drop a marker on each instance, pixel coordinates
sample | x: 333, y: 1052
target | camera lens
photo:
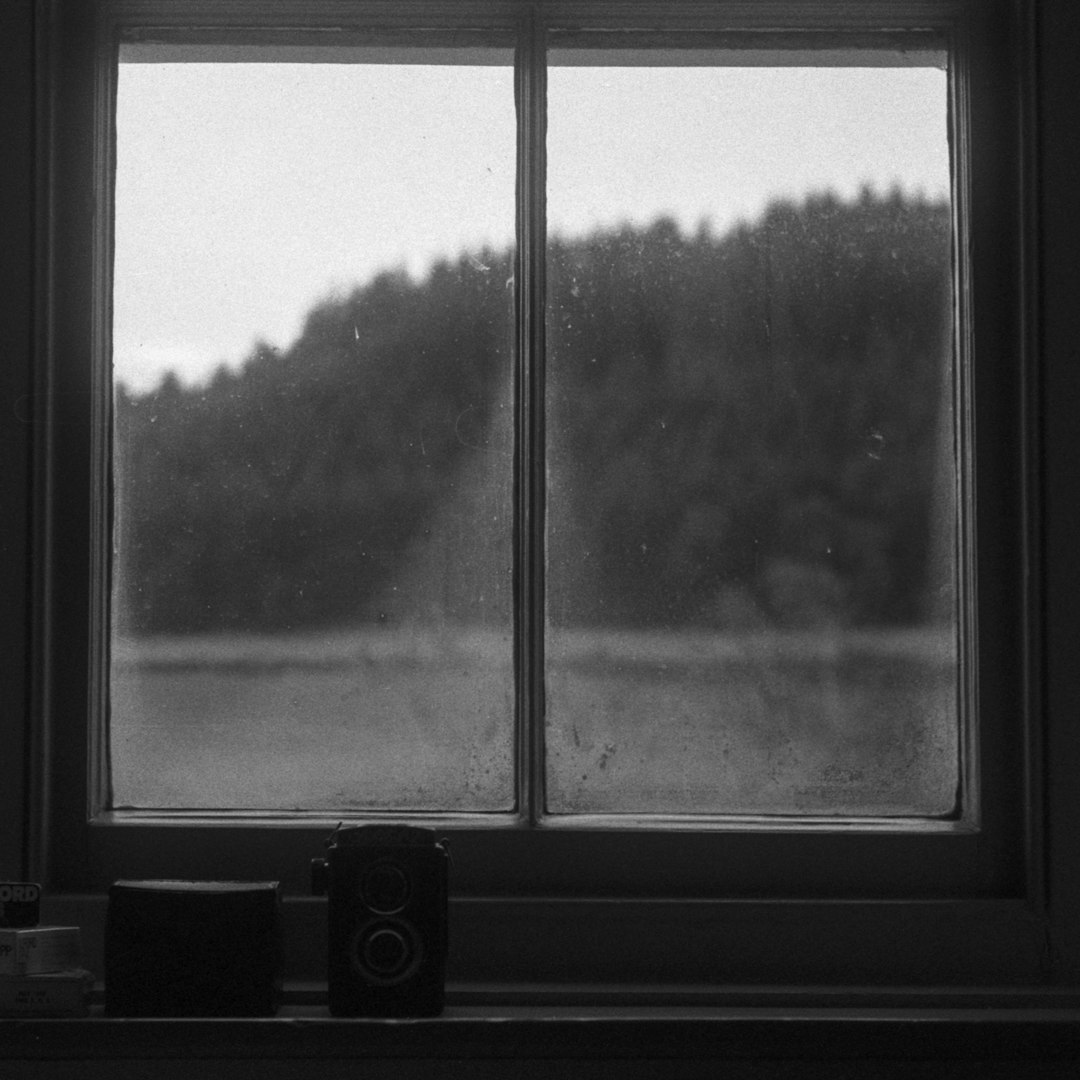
x: 385, y: 888
x: 386, y: 952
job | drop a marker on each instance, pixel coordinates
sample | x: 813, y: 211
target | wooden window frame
x: 663, y: 901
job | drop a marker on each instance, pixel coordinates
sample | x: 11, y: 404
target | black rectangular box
x: 193, y: 948
x: 20, y: 903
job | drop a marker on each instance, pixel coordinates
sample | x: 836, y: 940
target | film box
x: 40, y: 949
x: 20, y: 903
x: 59, y: 993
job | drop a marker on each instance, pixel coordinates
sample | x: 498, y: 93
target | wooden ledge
x: 574, y: 1033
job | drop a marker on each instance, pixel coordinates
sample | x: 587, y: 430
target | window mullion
x: 530, y: 93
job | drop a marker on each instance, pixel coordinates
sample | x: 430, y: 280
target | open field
x: 858, y: 723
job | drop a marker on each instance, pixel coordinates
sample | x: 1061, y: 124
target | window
x: 345, y: 494
x: 832, y: 877
x: 719, y: 552
x: 749, y: 542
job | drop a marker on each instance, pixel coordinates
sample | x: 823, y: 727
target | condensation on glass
x: 312, y: 348
x: 752, y: 456
x: 752, y: 513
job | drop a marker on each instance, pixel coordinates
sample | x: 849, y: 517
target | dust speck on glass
x: 751, y: 458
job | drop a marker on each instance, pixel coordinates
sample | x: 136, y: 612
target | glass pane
x: 311, y: 600
x: 752, y: 512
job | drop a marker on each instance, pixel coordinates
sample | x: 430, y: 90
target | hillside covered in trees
x: 744, y: 430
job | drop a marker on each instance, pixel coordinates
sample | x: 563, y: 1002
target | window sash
x: 531, y: 461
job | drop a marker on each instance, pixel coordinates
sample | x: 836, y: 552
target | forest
x: 745, y: 430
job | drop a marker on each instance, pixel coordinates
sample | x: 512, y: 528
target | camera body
x: 387, y: 920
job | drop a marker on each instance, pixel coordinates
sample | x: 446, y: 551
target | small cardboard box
x: 59, y: 993
x: 20, y: 903
x: 40, y: 949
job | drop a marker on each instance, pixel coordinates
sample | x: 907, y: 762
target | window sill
x: 543, y: 1032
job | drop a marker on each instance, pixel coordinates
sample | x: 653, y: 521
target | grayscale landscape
x: 750, y: 533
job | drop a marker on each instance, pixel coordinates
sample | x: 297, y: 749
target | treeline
x: 744, y: 429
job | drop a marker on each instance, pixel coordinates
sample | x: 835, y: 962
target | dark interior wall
x: 1058, y: 333
x: 1058, y: 330
x: 16, y: 334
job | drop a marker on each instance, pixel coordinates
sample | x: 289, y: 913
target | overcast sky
x: 247, y: 192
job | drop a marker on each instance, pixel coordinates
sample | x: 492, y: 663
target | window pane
x: 752, y: 512
x: 312, y: 508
